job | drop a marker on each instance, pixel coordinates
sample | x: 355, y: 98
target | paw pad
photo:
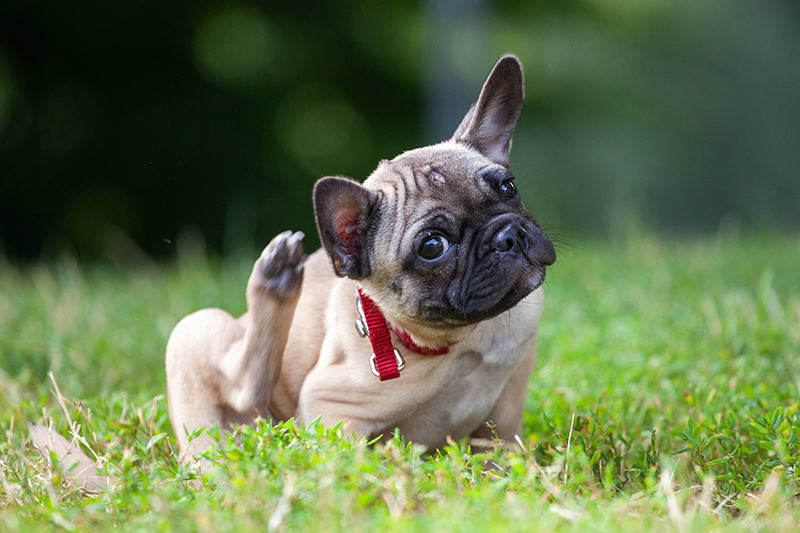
x: 281, y: 262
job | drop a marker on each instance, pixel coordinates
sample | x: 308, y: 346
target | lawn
x: 665, y: 397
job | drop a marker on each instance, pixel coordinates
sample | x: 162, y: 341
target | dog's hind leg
x: 220, y: 370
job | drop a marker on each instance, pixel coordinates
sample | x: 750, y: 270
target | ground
x: 665, y: 397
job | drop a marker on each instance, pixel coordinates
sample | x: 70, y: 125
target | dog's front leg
x: 252, y: 365
x: 505, y: 419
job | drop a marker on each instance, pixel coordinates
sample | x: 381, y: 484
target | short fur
x: 295, y: 352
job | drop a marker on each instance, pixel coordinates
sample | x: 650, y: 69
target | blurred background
x: 126, y: 126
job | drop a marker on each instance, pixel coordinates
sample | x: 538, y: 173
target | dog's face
x: 439, y: 235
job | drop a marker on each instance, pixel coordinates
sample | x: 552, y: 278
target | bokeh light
x: 321, y: 130
x: 235, y: 45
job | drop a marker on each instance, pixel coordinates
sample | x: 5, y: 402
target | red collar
x: 386, y: 362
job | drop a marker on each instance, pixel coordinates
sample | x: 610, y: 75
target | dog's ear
x: 345, y: 210
x: 489, y: 124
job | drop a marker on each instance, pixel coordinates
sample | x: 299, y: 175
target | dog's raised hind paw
x: 280, y: 268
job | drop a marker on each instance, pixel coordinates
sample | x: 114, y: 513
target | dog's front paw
x: 280, y: 268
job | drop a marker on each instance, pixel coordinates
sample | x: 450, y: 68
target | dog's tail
x: 80, y: 471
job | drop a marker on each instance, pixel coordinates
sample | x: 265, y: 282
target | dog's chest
x: 436, y: 395
x: 465, y: 391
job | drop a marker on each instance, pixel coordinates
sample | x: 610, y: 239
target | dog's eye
x: 432, y: 247
x: 508, y: 190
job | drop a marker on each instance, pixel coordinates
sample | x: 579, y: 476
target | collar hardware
x: 401, y: 363
x: 385, y: 362
x: 361, y: 321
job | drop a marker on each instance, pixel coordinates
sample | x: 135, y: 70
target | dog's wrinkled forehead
x: 446, y: 172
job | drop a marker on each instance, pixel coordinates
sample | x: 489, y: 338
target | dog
x: 437, y: 264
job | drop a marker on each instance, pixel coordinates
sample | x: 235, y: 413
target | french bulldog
x: 438, y: 265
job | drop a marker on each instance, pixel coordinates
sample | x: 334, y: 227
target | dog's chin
x: 504, y: 298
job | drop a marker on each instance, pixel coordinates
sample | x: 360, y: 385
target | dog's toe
x: 281, y: 263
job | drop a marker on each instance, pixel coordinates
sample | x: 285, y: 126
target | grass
x: 665, y: 397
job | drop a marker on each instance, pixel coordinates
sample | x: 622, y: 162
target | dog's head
x: 438, y: 235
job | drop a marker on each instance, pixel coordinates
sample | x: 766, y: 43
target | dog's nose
x: 542, y: 250
x: 512, y: 238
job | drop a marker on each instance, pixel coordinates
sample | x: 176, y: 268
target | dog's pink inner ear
x: 346, y: 224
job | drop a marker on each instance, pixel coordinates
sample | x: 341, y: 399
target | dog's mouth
x: 479, y: 302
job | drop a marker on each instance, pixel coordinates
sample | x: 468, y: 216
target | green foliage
x: 665, y: 396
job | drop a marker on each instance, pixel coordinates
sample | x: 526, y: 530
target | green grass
x: 674, y: 365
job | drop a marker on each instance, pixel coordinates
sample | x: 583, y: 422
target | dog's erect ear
x: 344, y: 211
x: 489, y: 124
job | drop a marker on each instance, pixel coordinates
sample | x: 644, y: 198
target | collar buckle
x: 401, y: 363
